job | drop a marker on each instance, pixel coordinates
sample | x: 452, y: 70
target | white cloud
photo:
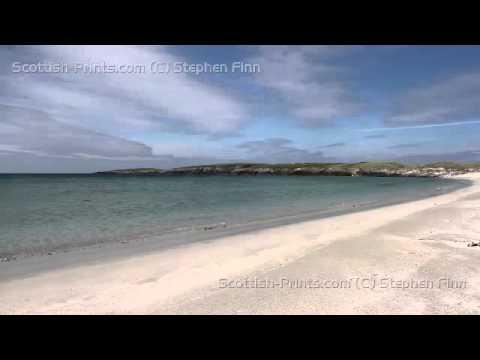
x: 305, y: 78
x: 104, y: 102
x: 426, y: 126
x: 451, y: 101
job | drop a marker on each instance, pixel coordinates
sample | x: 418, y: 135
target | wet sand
x: 408, y: 258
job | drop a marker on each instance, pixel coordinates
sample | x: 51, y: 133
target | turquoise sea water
x: 46, y: 212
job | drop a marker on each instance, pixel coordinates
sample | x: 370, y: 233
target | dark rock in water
x: 8, y: 258
x: 474, y: 243
x: 215, y: 226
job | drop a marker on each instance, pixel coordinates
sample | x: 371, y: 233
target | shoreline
x: 150, y: 281
x: 208, y: 232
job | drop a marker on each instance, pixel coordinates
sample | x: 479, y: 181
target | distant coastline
x: 371, y: 168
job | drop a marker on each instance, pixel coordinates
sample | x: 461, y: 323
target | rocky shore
x: 325, y: 169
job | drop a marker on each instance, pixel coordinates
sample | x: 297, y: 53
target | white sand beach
x: 409, y: 258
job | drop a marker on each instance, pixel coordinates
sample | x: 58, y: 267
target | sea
x: 43, y: 213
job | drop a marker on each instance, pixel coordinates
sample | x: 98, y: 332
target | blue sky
x: 306, y: 103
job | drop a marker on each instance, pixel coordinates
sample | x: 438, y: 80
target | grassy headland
x: 370, y: 168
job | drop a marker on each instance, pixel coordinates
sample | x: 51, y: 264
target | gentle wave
x: 42, y: 213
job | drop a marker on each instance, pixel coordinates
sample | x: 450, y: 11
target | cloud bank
x: 35, y: 132
x: 279, y: 150
x: 451, y: 102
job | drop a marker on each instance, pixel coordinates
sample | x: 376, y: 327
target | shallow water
x: 45, y: 212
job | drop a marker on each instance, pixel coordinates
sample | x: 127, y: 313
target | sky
x: 76, y: 109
